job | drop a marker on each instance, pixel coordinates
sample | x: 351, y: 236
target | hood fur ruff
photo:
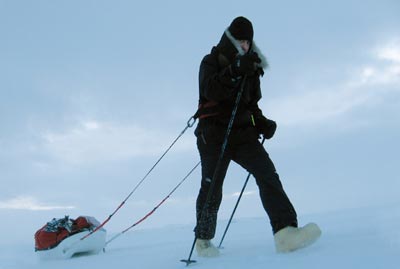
x: 264, y: 62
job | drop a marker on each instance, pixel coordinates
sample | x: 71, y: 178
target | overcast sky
x: 92, y: 93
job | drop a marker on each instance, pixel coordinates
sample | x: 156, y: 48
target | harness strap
x: 207, y: 109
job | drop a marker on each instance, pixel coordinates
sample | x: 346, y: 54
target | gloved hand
x: 266, y: 127
x: 245, y: 64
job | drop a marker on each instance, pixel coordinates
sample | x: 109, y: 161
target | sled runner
x: 62, y: 238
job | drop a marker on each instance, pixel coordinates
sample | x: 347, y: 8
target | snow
x: 352, y: 238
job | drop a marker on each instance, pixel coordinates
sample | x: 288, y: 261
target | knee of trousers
x: 268, y: 179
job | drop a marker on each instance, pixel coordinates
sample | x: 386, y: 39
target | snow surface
x: 353, y: 238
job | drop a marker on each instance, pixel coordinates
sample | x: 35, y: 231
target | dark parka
x: 218, y: 89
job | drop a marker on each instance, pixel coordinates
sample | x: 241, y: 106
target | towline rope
x: 189, y: 124
x: 154, y: 209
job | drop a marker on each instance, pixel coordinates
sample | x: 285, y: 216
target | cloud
x: 29, y: 203
x: 369, y: 83
x: 92, y: 141
x: 236, y: 194
x: 390, y: 51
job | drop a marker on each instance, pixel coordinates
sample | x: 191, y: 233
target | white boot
x: 291, y: 238
x: 205, y: 248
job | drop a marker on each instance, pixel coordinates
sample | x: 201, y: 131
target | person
x: 236, y: 64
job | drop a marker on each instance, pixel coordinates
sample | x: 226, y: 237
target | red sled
x: 63, y: 238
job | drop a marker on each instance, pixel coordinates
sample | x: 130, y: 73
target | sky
x: 93, y: 92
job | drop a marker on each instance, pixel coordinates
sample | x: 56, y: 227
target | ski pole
x: 188, y: 261
x: 236, y: 205
x: 189, y: 124
x: 153, y: 210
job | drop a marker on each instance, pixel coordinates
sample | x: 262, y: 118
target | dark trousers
x: 248, y: 152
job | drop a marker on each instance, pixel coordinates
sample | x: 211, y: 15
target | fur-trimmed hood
x: 254, y: 48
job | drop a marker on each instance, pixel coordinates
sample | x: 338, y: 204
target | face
x: 245, y: 45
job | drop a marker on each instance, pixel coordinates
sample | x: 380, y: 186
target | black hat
x: 241, y: 29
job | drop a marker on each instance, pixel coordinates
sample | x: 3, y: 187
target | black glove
x: 266, y: 127
x: 245, y: 64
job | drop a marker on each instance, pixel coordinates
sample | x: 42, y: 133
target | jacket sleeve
x: 253, y: 105
x: 214, y: 84
x: 255, y: 97
x: 256, y: 111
